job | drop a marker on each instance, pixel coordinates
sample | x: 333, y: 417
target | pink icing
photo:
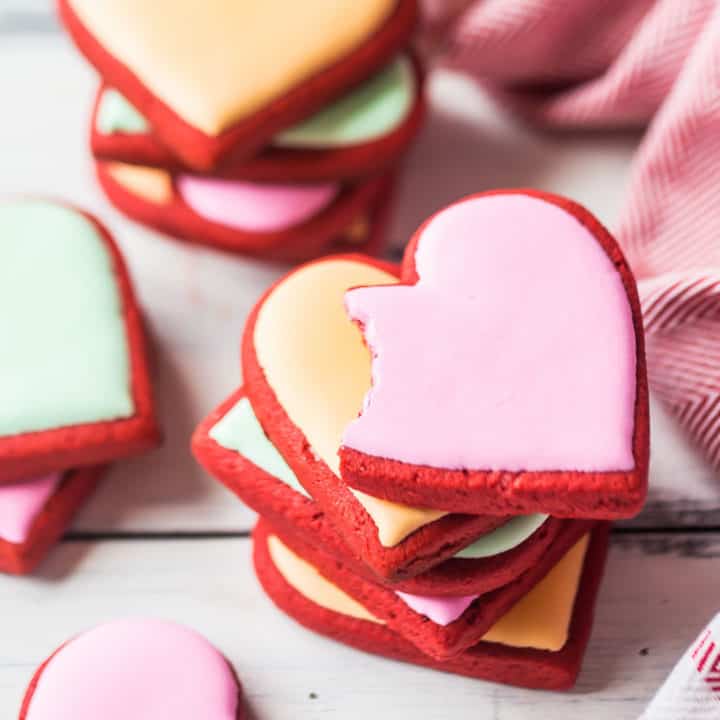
x: 254, y: 207
x: 21, y: 503
x: 515, y: 350
x: 441, y: 610
x: 136, y: 668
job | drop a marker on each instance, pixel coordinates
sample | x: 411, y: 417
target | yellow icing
x: 541, y: 620
x: 315, y: 360
x: 395, y: 522
x: 218, y: 61
x: 151, y: 184
x: 301, y: 575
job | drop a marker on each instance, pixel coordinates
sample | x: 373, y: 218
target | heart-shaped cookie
x: 74, y: 386
x: 306, y: 372
x: 233, y: 447
x: 509, y: 656
x: 508, y: 366
x: 363, y: 132
x: 221, y: 76
x: 269, y: 220
x: 134, y: 668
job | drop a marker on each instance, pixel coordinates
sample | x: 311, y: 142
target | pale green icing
x: 115, y: 113
x: 240, y: 430
x: 505, y: 538
x: 375, y: 108
x: 63, y: 353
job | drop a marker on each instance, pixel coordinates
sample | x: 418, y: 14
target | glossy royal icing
x: 254, y: 207
x: 301, y: 574
x: 441, y: 610
x: 116, y: 114
x: 514, y: 351
x: 21, y: 503
x: 374, y: 109
x: 151, y: 184
x: 240, y: 430
x: 64, y: 358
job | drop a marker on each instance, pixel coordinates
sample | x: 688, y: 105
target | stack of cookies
x: 75, y: 390
x: 269, y: 129
x: 435, y: 449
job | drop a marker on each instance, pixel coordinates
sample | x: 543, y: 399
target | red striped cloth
x: 692, y: 690
x: 610, y: 63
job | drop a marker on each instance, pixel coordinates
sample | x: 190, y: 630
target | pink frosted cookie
x: 131, y: 669
x: 35, y: 513
x: 281, y: 221
x: 508, y: 367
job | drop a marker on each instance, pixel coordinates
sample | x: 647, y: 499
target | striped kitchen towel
x: 587, y: 63
x: 692, y: 691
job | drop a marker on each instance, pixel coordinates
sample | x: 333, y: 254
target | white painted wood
x: 653, y: 601
x: 196, y: 300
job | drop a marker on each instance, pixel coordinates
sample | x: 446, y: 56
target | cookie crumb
x: 645, y: 652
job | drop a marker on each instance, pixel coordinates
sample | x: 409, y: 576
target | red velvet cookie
x: 274, y: 221
x: 508, y: 366
x: 133, y: 668
x: 222, y: 79
x: 305, y: 376
x: 364, y: 132
x: 35, y: 513
x: 74, y: 385
x: 506, y: 656
x: 233, y: 448
x: 440, y: 626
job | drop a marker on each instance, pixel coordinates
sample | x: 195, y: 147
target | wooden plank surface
x: 656, y: 597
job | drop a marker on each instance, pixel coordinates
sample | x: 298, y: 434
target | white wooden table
x: 161, y: 538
